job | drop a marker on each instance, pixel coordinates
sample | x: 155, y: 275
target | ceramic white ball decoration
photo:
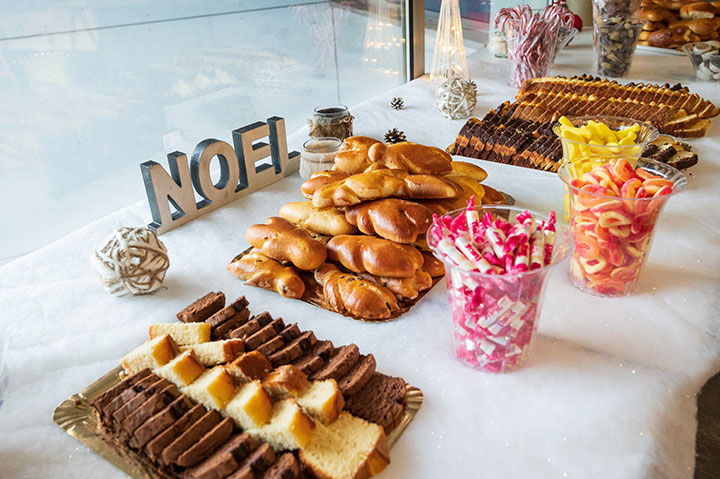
x: 456, y: 98
x: 131, y: 260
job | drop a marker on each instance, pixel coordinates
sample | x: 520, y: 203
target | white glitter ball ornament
x: 456, y: 98
x: 131, y: 260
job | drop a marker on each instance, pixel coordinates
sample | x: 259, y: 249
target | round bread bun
x: 643, y: 36
x: 656, y: 14
x: 716, y: 4
x: 653, y: 26
x: 703, y: 27
x: 674, y: 5
x: 644, y: 43
x: 696, y: 10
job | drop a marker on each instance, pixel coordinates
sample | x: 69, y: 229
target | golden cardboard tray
x: 314, y: 292
x: 77, y: 418
x: 314, y: 295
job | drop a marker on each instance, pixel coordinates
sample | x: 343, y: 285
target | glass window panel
x: 91, y: 91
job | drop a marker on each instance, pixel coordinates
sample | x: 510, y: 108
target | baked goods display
x: 286, y: 405
x: 357, y: 244
x: 671, y: 24
x: 520, y: 133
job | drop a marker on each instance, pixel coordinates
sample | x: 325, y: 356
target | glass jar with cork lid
x: 331, y: 122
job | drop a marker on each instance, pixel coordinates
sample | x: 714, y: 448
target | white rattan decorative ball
x: 131, y: 260
x: 456, y: 98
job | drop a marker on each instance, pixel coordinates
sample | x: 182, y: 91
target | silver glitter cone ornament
x: 456, y: 98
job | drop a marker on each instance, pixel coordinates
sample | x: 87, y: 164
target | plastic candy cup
x: 612, y: 219
x: 594, y: 142
x: 495, y: 316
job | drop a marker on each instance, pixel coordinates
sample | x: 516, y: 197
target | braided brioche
x: 353, y: 155
x: 394, y: 219
x: 347, y: 293
x: 281, y: 240
x: 256, y: 269
x: 360, y: 154
x: 377, y: 184
x: 368, y: 254
x: 408, y: 288
x: 329, y: 221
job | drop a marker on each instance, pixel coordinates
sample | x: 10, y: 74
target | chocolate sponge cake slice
x: 380, y: 401
x: 236, y: 307
x: 339, y: 365
x: 358, y: 376
x: 202, y: 308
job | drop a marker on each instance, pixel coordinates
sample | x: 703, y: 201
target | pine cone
x: 397, y: 103
x: 395, y: 136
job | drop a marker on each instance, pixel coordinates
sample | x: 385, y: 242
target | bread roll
x: 360, y: 154
x: 377, y: 184
x: 256, y: 269
x: 432, y: 265
x: 329, y: 221
x: 368, y: 254
x: 411, y: 157
x: 653, y: 26
x: 347, y: 293
x: 408, y: 288
x: 470, y: 188
x: 463, y: 168
x: 281, y: 240
x: 643, y: 36
x: 319, y: 180
x: 394, y: 219
x: 696, y: 10
x: 492, y: 196
x: 353, y: 156
x: 656, y: 14
x: 705, y: 28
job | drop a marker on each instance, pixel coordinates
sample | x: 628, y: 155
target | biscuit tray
x: 77, y: 418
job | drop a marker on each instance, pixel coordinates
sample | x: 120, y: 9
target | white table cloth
x: 609, y: 391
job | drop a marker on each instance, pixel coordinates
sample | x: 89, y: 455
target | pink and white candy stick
x: 537, y: 250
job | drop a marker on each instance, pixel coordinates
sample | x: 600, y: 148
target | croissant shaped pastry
x: 281, y: 240
x: 377, y: 184
x: 328, y: 221
x: 408, y: 288
x: 256, y: 269
x: 319, y: 180
x: 394, y: 219
x: 347, y: 293
x: 368, y: 254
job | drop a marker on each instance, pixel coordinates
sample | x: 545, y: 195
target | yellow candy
x: 565, y: 122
